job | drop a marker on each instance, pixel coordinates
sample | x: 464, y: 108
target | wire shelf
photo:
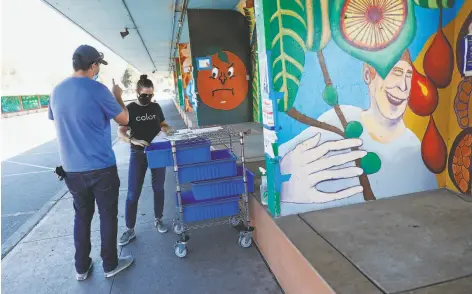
x: 222, y: 135
x: 216, y: 133
x: 209, y: 224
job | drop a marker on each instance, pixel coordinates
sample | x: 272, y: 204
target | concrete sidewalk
x: 43, y: 261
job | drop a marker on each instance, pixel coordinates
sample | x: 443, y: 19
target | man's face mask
x: 95, y: 76
x: 145, y: 99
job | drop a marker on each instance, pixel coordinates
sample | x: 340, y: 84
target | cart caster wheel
x: 178, y: 229
x: 245, y: 241
x: 180, y: 250
x: 235, y: 221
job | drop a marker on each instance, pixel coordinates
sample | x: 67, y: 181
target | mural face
x: 225, y: 86
x: 222, y: 86
x: 390, y: 95
x: 364, y: 99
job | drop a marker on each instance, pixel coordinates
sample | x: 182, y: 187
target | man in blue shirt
x: 81, y: 109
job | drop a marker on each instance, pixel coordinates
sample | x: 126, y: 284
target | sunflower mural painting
x: 356, y: 113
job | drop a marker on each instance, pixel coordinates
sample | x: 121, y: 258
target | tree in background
x: 126, y: 79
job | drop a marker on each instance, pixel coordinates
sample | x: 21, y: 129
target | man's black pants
x: 87, y: 187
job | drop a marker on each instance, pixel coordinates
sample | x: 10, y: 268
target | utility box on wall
x: 222, y: 66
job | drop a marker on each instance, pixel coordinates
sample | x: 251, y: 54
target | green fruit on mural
x: 353, y: 129
x: 377, y: 32
x: 371, y: 163
x: 330, y: 95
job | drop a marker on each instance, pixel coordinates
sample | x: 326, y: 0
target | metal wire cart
x: 212, y: 188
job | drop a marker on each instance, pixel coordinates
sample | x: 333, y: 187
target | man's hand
x: 137, y: 142
x: 123, y: 118
x: 309, y: 165
x: 117, y: 91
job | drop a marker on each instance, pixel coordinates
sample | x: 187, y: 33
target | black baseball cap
x: 86, y: 55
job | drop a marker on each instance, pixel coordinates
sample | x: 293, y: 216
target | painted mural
x: 363, y: 91
x: 187, y: 74
x: 460, y: 155
x: 246, y: 7
x: 225, y: 86
x: 222, y: 66
x: 178, y: 83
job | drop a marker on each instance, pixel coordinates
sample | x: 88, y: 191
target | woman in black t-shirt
x: 146, y: 121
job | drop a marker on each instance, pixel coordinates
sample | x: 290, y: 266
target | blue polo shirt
x: 82, y: 109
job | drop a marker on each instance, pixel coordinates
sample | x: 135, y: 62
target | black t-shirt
x: 145, y: 121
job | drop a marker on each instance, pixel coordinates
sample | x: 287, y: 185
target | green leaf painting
x: 296, y: 26
x: 256, y: 94
x: 179, y: 83
x: 435, y: 3
x: 378, y: 39
x: 318, y: 32
x: 288, y: 27
x: 223, y: 56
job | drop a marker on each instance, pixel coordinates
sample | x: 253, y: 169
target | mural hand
x: 309, y: 166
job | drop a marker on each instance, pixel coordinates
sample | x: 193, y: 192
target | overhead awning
x: 152, y: 26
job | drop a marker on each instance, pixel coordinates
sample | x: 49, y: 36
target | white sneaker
x: 161, y: 227
x: 127, y: 237
x: 123, y: 263
x: 84, y: 276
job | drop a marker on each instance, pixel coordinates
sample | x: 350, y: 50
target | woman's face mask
x: 145, y: 99
x: 145, y: 95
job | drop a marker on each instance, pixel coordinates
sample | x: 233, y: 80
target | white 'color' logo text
x: 146, y: 117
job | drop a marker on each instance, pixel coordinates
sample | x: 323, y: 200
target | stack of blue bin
x: 215, y: 178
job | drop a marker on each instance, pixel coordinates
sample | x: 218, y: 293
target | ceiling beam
x: 139, y: 34
x: 87, y: 32
x: 173, y: 49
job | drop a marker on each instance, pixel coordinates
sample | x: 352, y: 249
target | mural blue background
x: 348, y: 78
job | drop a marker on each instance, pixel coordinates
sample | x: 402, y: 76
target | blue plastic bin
x: 159, y: 154
x: 223, y: 187
x: 222, y: 164
x: 195, y: 210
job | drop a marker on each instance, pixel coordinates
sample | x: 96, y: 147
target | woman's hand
x: 137, y: 142
x: 168, y: 130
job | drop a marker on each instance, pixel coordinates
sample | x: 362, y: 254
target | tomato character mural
x: 225, y: 86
